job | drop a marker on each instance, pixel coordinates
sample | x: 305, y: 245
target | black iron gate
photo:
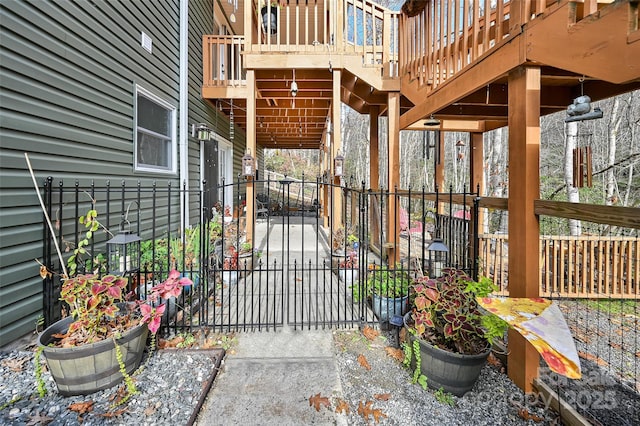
x: 305, y: 258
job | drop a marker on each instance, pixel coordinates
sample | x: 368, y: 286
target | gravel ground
x: 494, y: 400
x: 176, y: 381
x: 170, y: 388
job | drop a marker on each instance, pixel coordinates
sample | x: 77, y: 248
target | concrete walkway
x: 269, y: 379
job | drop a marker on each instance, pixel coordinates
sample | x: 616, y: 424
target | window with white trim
x: 155, y: 144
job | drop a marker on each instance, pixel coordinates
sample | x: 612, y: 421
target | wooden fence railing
x: 576, y: 267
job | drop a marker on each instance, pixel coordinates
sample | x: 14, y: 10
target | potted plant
x: 348, y: 268
x: 102, y: 341
x: 452, y: 334
x: 389, y: 291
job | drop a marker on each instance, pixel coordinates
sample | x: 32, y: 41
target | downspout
x: 184, y: 107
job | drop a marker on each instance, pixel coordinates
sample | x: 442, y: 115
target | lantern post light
x: 437, y: 249
x: 338, y: 165
x: 248, y: 165
x: 123, y: 252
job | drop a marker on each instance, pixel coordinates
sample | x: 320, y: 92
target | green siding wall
x: 67, y: 79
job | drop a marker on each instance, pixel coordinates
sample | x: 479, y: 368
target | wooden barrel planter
x: 454, y: 373
x: 85, y: 369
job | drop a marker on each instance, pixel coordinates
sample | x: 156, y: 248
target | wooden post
x: 336, y: 199
x: 393, y: 209
x: 438, y: 174
x: 524, y: 227
x: 374, y: 173
x: 251, y: 145
x: 476, y: 173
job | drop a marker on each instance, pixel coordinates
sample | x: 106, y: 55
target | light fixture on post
x: 201, y: 132
x: 248, y: 165
x: 338, y: 165
x: 123, y: 253
x: 432, y: 121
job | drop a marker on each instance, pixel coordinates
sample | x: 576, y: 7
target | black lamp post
x: 437, y: 250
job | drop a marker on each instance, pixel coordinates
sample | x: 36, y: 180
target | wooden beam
x: 374, y: 171
x: 524, y: 178
x: 496, y: 64
x: 627, y: 217
x: 476, y: 173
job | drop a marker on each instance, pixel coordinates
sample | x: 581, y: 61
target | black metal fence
x: 313, y: 254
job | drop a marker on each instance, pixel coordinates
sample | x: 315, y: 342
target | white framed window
x: 155, y: 142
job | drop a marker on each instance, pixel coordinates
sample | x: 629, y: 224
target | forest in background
x: 614, y: 141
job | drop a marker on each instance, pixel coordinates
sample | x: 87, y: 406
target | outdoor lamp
x: 437, y: 248
x: 201, y: 132
x: 123, y: 252
x: 248, y: 165
x: 338, y: 165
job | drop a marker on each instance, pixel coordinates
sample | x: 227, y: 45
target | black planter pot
x: 85, y: 369
x: 269, y: 19
x: 454, y: 373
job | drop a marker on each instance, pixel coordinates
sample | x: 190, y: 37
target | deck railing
x: 576, y: 267
x: 329, y: 28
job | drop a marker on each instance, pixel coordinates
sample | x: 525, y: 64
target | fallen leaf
x: 395, y: 353
x: 492, y: 360
x: 526, y: 415
x: 44, y: 273
x: 367, y: 410
x: 114, y: 413
x: 38, y: 419
x: 382, y: 396
x: 370, y: 333
x: 317, y: 401
x: 342, y: 406
x: 638, y: 354
x: 14, y: 364
x: 615, y: 345
x: 363, y: 362
x: 81, y: 407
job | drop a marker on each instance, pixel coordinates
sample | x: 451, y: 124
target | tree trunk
x: 612, y: 185
x: 573, y: 195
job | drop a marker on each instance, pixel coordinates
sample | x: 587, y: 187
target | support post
x: 393, y: 208
x: 438, y: 174
x: 251, y: 145
x: 374, y: 172
x: 336, y: 199
x: 476, y: 172
x: 524, y: 226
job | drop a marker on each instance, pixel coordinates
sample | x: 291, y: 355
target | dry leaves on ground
x: 115, y: 413
x: 38, y: 419
x: 318, y: 401
x: 395, y: 353
x: 370, y: 333
x: 367, y: 410
x: 81, y: 408
x: 363, y: 362
x: 14, y: 364
x: 526, y: 415
x: 382, y: 396
x: 342, y: 406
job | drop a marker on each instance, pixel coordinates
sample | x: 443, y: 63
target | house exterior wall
x: 68, y: 77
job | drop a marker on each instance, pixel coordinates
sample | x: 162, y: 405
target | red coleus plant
x: 447, y: 314
x: 95, y: 304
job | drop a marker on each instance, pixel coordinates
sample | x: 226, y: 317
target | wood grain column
x: 336, y: 144
x: 374, y: 173
x: 393, y: 213
x: 476, y: 172
x: 524, y: 227
x: 251, y: 146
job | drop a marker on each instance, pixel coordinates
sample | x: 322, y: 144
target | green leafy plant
x: 444, y: 397
x: 390, y: 283
x: 411, y: 351
x: 447, y: 314
x: 42, y: 389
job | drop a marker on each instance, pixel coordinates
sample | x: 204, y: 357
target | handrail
x: 223, y: 61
